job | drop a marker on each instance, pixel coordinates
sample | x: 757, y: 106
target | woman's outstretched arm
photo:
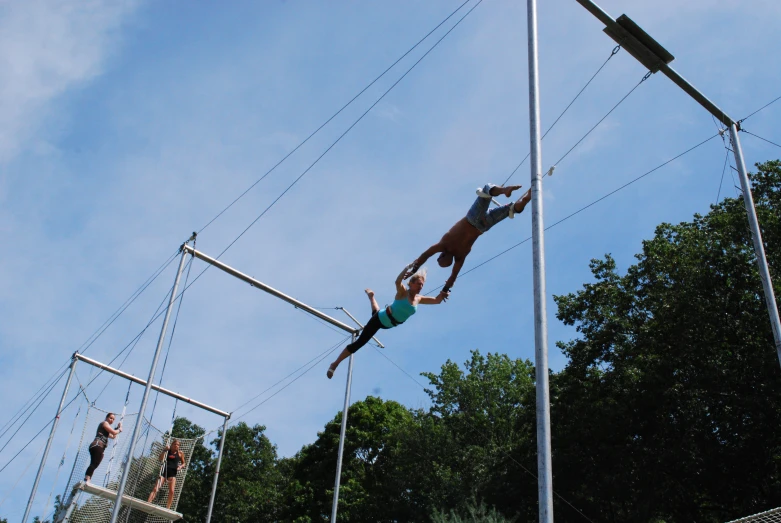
x: 428, y: 300
x: 400, y: 288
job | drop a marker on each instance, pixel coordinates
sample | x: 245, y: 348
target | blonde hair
x: 420, y: 275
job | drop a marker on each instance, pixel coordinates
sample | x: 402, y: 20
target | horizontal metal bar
x: 262, y: 286
x: 379, y: 344
x: 134, y: 379
x: 700, y: 98
x: 668, y: 71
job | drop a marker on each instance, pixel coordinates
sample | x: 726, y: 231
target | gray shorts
x: 479, y: 214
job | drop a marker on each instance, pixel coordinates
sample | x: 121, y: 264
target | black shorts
x: 169, y: 473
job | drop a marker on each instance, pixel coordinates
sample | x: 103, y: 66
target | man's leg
x: 498, y: 214
x: 477, y: 213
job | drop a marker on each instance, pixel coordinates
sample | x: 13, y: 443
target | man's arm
x: 457, y: 264
x: 412, y: 269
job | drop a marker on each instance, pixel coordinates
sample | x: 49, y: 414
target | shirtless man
x: 456, y: 244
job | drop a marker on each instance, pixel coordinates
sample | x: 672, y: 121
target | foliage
x: 249, y: 478
x: 473, y: 513
x: 672, y: 398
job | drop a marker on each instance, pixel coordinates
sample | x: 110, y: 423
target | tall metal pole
x: 756, y: 235
x: 217, y: 472
x: 544, y: 468
x: 341, y: 437
x: 147, y: 389
x: 49, y: 442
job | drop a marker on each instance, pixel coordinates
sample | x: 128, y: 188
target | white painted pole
x: 342, y: 433
x: 147, y: 390
x: 49, y: 443
x: 544, y: 468
x: 756, y: 236
x: 217, y: 471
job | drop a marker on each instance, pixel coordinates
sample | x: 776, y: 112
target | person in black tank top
x: 174, y: 462
x: 99, y: 444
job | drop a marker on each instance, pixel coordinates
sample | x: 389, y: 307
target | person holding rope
x: 99, y: 444
x: 456, y: 244
x: 405, y: 305
x: 174, y: 462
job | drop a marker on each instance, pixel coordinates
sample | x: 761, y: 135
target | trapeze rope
x: 615, y: 51
x: 116, y: 437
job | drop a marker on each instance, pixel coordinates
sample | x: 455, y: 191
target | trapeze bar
x: 262, y: 286
x: 155, y: 387
x: 129, y: 502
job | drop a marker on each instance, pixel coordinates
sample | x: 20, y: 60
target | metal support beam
x: 756, y: 236
x: 544, y: 467
x: 342, y: 433
x: 654, y: 57
x: 55, y: 422
x: 159, y: 389
x: 643, y: 42
x: 217, y: 471
x: 147, y: 390
x: 262, y: 286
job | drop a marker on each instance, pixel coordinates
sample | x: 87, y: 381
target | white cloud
x: 46, y: 48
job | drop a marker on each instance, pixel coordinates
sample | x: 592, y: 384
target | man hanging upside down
x: 456, y: 244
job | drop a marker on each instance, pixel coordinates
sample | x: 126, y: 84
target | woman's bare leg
x: 342, y: 356
x: 370, y: 294
x: 153, y: 495
x: 171, y: 490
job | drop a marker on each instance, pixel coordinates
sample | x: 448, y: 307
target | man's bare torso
x: 459, y: 239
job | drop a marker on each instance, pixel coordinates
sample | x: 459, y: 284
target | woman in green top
x: 404, y: 306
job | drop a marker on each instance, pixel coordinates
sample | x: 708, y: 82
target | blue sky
x: 125, y: 126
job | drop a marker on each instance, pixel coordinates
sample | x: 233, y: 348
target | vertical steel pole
x: 544, y: 468
x: 341, y: 437
x: 756, y: 235
x: 49, y: 443
x: 147, y: 389
x: 217, y: 472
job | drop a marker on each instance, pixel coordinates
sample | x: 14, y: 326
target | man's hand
x: 444, y: 295
x: 412, y: 268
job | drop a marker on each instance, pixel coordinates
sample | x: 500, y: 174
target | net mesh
x: 145, y: 469
x: 771, y: 516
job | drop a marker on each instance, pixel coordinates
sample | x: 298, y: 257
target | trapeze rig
x: 127, y: 499
x: 186, y: 248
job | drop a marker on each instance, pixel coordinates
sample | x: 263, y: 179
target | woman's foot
x: 369, y: 293
x: 330, y: 372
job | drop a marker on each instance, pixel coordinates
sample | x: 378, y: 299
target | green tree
x: 250, y: 482
x: 472, y: 513
x: 671, y: 401
x: 479, y: 436
x: 371, y: 488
